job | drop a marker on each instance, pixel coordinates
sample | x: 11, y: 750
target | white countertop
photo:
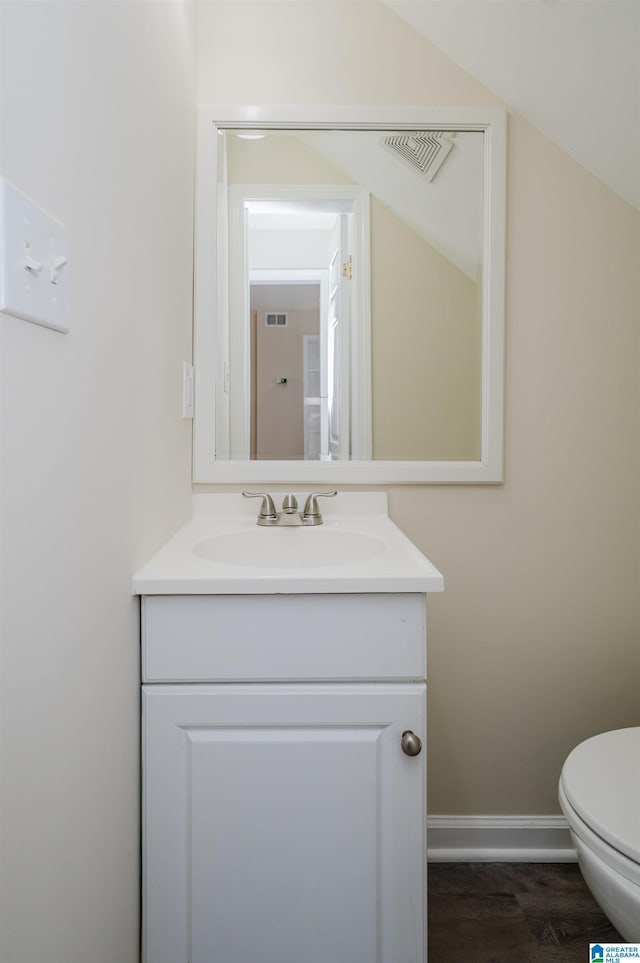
x: 390, y: 562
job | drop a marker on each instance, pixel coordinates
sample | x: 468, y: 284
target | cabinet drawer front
x: 209, y: 638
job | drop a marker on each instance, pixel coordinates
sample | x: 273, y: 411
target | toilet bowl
x: 599, y: 794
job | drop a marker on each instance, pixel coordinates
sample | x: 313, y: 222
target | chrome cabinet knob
x: 411, y: 743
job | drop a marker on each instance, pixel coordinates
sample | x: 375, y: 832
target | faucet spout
x: 289, y: 519
x: 289, y: 514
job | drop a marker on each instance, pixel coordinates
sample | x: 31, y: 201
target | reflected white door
x: 283, y: 824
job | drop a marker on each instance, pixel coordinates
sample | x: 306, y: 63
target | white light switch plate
x: 34, y: 255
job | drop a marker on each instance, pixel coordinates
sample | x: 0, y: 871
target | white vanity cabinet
x: 283, y: 822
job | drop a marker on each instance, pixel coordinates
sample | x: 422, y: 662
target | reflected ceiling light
x: 251, y: 135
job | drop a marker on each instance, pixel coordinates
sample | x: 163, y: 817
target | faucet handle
x: 311, y: 505
x: 267, y: 509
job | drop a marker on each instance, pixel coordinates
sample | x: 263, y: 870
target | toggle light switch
x: 55, y: 267
x: 34, y: 258
x: 30, y: 263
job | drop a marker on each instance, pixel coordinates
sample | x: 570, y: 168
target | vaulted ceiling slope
x: 570, y: 67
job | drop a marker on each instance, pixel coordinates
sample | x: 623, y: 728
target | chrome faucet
x: 290, y: 515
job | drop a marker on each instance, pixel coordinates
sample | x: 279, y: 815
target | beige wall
x: 534, y: 644
x: 425, y: 348
x: 278, y: 160
x: 96, y: 114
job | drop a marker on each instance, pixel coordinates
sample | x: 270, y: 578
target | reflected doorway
x: 280, y: 245
x: 287, y: 372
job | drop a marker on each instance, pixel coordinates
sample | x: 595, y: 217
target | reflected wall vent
x: 425, y: 150
x: 276, y: 319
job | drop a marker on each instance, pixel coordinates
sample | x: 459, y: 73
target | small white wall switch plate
x: 34, y: 261
x: 187, y: 390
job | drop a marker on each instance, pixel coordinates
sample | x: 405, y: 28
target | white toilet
x: 600, y: 796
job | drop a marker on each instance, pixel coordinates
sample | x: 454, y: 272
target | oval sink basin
x: 286, y: 548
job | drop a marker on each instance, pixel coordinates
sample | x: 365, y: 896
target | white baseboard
x: 499, y: 839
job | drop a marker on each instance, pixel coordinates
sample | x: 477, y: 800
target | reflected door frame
x: 237, y: 336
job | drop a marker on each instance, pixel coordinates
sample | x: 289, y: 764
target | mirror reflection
x: 353, y: 278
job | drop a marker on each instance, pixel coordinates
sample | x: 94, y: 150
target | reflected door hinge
x: 347, y: 269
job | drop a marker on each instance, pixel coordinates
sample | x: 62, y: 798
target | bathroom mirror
x: 349, y: 295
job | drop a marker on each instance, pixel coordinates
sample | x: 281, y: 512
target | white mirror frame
x: 208, y: 361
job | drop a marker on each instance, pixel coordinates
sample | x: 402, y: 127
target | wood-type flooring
x: 513, y: 913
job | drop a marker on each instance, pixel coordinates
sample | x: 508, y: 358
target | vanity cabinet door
x: 283, y: 824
